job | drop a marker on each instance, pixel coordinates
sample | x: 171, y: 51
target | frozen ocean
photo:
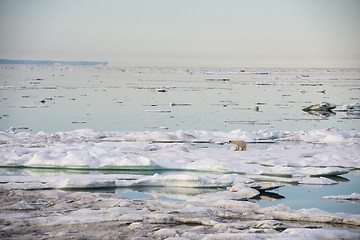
x: 156, y: 140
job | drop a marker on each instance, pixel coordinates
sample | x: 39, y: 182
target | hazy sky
x: 224, y: 33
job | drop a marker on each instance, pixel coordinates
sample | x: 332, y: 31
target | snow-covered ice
x: 56, y: 214
x: 179, y: 160
x: 320, y: 154
x: 182, y: 162
x: 316, y: 153
x: 214, y: 190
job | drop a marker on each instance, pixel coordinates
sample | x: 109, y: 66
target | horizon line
x: 94, y: 63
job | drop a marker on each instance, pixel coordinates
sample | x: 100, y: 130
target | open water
x: 65, y: 98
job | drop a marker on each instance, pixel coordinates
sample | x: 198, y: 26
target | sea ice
x: 353, y: 196
x: 322, y: 107
x: 57, y: 214
x: 317, y: 181
x: 322, y: 152
x: 186, y: 180
x: 350, y: 107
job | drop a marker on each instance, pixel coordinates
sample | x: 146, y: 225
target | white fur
x: 239, y: 144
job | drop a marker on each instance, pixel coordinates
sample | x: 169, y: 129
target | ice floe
x: 321, y: 152
x: 350, y: 107
x: 352, y: 110
x: 57, y: 214
x: 322, y: 107
x: 353, y: 196
x: 317, y: 181
x: 187, y: 180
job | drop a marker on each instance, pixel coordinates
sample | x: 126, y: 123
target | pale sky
x: 184, y: 33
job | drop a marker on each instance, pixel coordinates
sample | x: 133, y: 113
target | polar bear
x: 239, y: 144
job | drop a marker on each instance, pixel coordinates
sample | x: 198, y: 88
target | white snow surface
x: 296, y: 157
x: 303, y: 157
